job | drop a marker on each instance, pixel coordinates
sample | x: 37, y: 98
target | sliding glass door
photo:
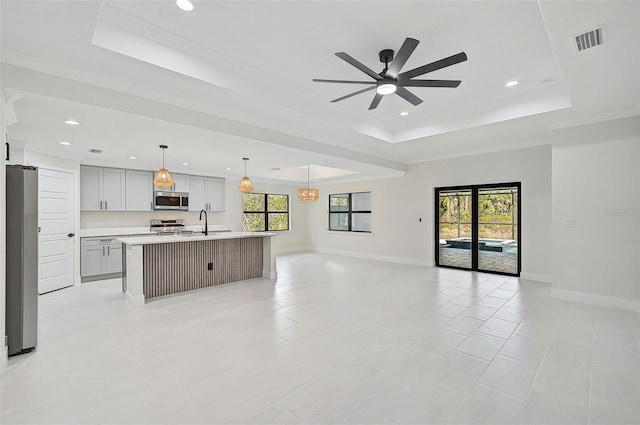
x: 455, y: 228
x: 478, y: 228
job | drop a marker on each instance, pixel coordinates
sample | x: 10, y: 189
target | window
x: 350, y: 212
x: 265, y: 212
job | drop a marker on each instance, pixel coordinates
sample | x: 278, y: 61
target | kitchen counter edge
x: 146, y: 240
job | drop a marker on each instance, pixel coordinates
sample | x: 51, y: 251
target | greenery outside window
x: 350, y: 212
x: 264, y: 212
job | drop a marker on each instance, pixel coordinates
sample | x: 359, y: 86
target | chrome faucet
x: 206, y: 225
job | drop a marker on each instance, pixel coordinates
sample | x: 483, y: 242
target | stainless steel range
x: 169, y: 227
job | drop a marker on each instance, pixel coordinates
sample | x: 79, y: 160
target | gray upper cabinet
x: 206, y: 193
x: 139, y: 190
x: 215, y: 193
x: 197, y: 193
x: 102, y: 189
x: 180, y: 182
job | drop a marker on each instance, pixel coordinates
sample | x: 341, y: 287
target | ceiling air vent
x: 95, y: 150
x: 589, y: 39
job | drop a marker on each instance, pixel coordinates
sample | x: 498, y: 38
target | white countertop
x: 146, y: 240
x: 115, y: 231
x: 127, y: 231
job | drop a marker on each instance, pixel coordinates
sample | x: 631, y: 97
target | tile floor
x: 334, y: 340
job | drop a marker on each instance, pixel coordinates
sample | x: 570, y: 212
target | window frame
x: 266, y: 212
x: 350, y: 212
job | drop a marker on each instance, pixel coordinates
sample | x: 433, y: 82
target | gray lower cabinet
x: 100, y: 258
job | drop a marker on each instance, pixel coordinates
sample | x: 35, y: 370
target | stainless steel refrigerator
x: 22, y: 258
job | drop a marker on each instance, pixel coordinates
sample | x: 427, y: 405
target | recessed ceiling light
x: 511, y: 83
x: 228, y: 168
x: 186, y: 5
x: 71, y: 122
x: 404, y: 113
x: 275, y: 169
x: 185, y: 163
x: 133, y: 157
x: 65, y: 143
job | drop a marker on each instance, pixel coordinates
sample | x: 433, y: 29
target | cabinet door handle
x: 108, y: 250
x: 100, y: 204
x: 103, y: 251
x: 105, y: 205
x: 151, y: 205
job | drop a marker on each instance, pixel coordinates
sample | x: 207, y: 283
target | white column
x: 269, y: 257
x: 135, y: 288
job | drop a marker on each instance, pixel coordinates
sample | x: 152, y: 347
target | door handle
x: 70, y: 235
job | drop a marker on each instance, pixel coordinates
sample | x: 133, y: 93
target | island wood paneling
x: 169, y: 268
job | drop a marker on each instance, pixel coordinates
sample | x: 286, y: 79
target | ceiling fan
x: 390, y: 80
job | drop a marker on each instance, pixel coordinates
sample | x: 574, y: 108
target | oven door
x: 169, y: 201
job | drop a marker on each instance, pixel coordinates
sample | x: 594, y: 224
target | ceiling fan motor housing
x: 386, y: 56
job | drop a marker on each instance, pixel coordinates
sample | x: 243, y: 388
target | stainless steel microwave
x: 171, y: 201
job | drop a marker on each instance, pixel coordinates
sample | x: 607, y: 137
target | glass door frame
x: 475, y: 189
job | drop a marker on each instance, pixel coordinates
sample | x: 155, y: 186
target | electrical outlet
x: 210, y: 266
x: 569, y: 222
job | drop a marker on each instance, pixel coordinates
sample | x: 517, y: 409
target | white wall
x: 596, y: 182
x: 398, y: 203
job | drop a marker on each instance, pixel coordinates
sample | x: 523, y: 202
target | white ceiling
x: 233, y: 79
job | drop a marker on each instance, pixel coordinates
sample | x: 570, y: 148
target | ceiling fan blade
x: 431, y: 83
x: 376, y: 100
x: 318, y: 80
x: 434, y: 66
x: 408, y: 96
x: 352, y: 94
x: 360, y: 66
x: 401, y: 57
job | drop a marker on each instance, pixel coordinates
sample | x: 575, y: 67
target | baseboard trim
x: 601, y: 300
x: 293, y: 250
x: 4, y: 360
x: 134, y: 300
x: 367, y: 256
x: 536, y: 276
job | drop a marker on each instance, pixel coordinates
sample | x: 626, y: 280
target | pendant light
x: 163, y: 179
x: 308, y: 194
x: 245, y: 185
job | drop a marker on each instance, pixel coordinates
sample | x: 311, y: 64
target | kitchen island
x: 156, y: 266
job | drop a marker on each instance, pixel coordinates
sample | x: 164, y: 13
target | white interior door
x: 56, y: 238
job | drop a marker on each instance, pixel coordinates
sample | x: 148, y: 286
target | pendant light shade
x: 163, y: 179
x: 245, y: 185
x: 308, y: 194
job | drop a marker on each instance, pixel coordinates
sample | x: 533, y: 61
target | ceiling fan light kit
x: 390, y: 80
x: 163, y: 178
